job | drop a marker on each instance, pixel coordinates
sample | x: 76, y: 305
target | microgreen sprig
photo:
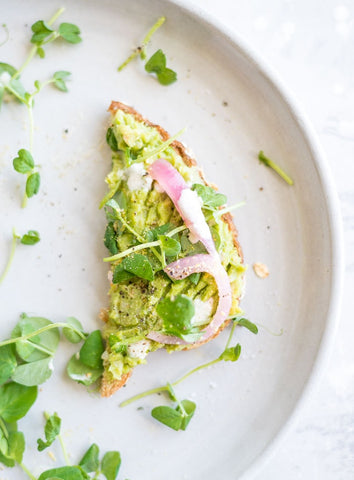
x: 270, y: 163
x: 43, y: 33
x: 157, y: 62
x: 30, y: 238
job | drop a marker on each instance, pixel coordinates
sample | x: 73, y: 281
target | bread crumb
x: 261, y: 270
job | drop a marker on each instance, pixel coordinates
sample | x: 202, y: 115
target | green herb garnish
x: 26, y: 357
x: 51, y: 431
x: 43, y: 34
x: 269, y: 163
x: 30, y: 238
x: 177, y: 314
x: 176, y: 418
x: 157, y: 64
x: 86, y: 366
x: 211, y: 199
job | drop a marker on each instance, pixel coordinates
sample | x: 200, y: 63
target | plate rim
x: 321, y: 164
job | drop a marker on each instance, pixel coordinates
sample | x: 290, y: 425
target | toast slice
x: 136, y: 143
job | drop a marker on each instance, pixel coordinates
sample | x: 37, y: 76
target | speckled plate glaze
x: 231, y: 109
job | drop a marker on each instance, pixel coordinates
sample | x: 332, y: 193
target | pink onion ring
x: 200, y: 263
x: 172, y: 182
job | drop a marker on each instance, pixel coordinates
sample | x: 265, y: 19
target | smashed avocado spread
x: 139, y: 214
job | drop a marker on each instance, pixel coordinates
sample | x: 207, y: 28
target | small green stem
x: 7, y: 35
x: 56, y: 15
x: 27, y: 472
x: 196, y: 369
x: 38, y: 347
x: 134, y: 249
x: 234, y: 324
x: 168, y: 386
x: 141, y: 48
x: 32, y: 53
x: 161, y: 147
x: 144, y: 394
x: 269, y: 163
x: 15, y: 237
x: 65, y: 453
x: 230, y: 209
x: 42, y: 330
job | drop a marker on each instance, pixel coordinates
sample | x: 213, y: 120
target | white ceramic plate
x: 293, y: 230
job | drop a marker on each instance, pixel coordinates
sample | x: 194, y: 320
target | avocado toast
x: 162, y: 263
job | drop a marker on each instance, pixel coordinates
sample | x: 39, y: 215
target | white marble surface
x: 309, y: 43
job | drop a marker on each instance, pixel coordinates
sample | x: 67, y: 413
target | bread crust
x: 107, y: 389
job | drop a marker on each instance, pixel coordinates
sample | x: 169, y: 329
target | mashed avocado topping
x: 141, y: 214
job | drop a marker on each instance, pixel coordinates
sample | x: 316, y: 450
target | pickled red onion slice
x: 185, y: 200
x: 200, y: 263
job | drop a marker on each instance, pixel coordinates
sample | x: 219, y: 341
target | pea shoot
x: 157, y: 62
x: 30, y: 238
x: 15, y: 401
x: 11, y: 85
x: 179, y: 416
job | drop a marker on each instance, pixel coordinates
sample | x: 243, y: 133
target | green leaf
x: 80, y: 373
x: 120, y: 275
x: 231, y: 354
x: 8, y: 362
x: 110, y: 239
x: 156, y: 63
x: 59, y: 80
x: 189, y: 248
x: 92, y: 350
x: 16, y: 446
x: 27, y: 349
x: 194, y: 278
x: 62, y: 473
x: 139, y: 265
x: 5, y: 67
x: 40, y: 52
x: 15, y: 85
x: 70, y: 334
x: 168, y: 416
x: 90, y: 461
x: 210, y: 197
x: 24, y: 162
x: 170, y: 246
x: 30, y: 238
x: 111, y: 139
x: 8, y: 462
x: 34, y: 373
x: 189, y: 408
x: 152, y: 235
x: 70, y: 32
x: 243, y: 322
x: 176, y: 315
x: 15, y: 401
x: 51, y: 431
x: 167, y: 76
x: 110, y: 465
x: 40, y: 31
x: 33, y: 184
